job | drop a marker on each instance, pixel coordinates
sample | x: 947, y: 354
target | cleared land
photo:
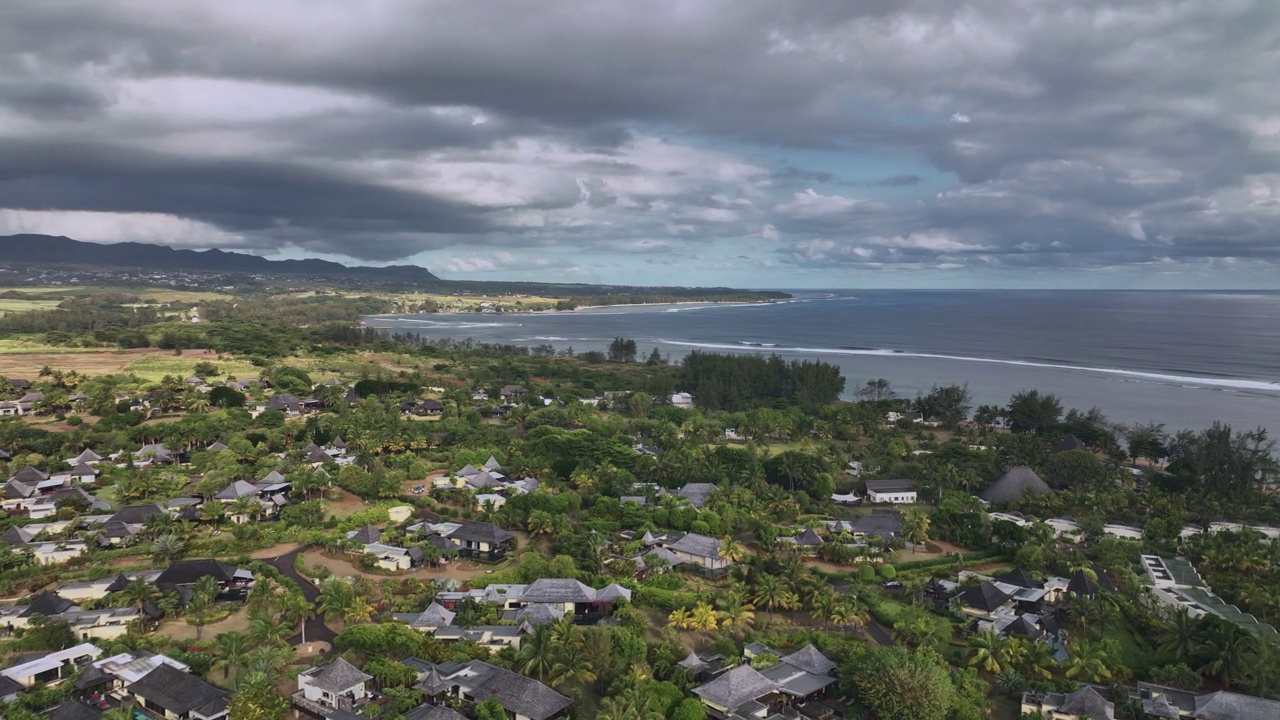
x: 16, y: 363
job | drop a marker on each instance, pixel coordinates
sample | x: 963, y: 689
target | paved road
x: 316, y: 629
x: 879, y: 633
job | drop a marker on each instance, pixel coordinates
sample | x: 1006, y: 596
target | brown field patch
x: 103, y: 362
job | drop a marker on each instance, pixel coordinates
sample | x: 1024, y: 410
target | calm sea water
x: 1181, y: 358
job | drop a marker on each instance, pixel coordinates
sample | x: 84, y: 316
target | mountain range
x: 57, y: 250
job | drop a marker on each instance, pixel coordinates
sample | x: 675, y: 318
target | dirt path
x: 462, y: 570
x: 275, y: 551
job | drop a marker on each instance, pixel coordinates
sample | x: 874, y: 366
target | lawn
x: 1135, y: 654
x: 155, y: 367
x: 12, y: 305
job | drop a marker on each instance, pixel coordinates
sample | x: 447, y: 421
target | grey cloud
x: 1096, y: 132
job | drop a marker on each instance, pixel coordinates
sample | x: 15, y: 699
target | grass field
x: 13, y: 305
x: 54, y: 294
x: 156, y: 366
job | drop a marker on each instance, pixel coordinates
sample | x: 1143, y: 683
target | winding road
x: 316, y: 630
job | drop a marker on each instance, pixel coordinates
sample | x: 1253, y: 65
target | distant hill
x: 57, y: 250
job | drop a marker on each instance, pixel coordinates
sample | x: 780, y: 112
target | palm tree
x: 535, y: 654
x: 679, y: 618
x: 196, y: 402
x: 232, y: 652
x: 571, y: 666
x: 540, y: 523
x: 265, y: 629
x: 915, y: 528
x: 1182, y: 636
x: 1090, y: 662
x: 704, y: 617
x: 988, y: 650
x: 731, y: 551
x: 1010, y: 682
x: 850, y: 613
x: 1226, y: 651
x: 301, y: 610
x: 1039, y: 660
x: 737, y: 614
x: 138, y: 593
x: 772, y: 595
x: 166, y: 548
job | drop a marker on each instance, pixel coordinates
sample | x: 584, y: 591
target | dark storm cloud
x: 1088, y: 133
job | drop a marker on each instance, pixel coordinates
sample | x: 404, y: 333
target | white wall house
x: 891, y: 491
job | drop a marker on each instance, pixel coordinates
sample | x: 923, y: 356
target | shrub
x: 888, y: 572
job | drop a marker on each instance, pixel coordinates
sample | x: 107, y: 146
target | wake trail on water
x: 1162, y: 377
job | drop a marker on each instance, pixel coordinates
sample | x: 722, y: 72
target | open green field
x: 13, y: 305
x: 155, y: 367
x: 54, y: 294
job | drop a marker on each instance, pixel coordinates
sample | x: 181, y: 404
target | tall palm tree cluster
x: 555, y: 654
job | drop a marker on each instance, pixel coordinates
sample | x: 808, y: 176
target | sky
x: 745, y: 143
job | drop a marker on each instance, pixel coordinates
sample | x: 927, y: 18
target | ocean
x: 1184, y: 359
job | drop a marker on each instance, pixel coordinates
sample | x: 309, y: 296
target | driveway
x: 316, y: 630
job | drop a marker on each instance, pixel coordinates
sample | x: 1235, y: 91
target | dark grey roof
x: 87, y: 455
x: 986, y: 597
x: 83, y: 469
x: 699, y: 545
x: 16, y: 489
x: 136, y: 514
x: 338, y: 443
x: 809, y: 659
x: 176, y: 691
x: 47, y: 604
x: 30, y: 475
x: 737, y: 687
x: 339, y: 676
x: 516, y: 693
x: 436, y: 615
x: 1087, y: 702
x: 283, y: 401
x: 538, y: 614
x: 892, y: 485
x: 317, y: 455
x: 1021, y: 578
x: 15, y: 537
x: 558, y: 590
x: 9, y: 686
x: 1018, y: 482
x: 1234, y: 706
x: 433, y: 712
x: 1024, y: 628
x: 367, y: 535
x: 809, y: 538
x: 885, y: 525
x: 187, y: 572
x: 73, y: 710
x: 1070, y: 442
x: 1082, y: 584
x: 696, y: 493
x: 481, y: 532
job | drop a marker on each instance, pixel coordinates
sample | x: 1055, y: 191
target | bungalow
x: 233, y: 583
x: 521, y: 697
x: 86, y: 457
x: 286, y: 403
x: 338, y: 686
x: 745, y: 692
x: 493, y: 638
x: 1087, y: 703
x: 481, y: 540
x: 884, y: 524
x: 806, y: 542
x: 175, y: 694
x: 510, y: 392
x: 891, y: 491
x: 702, y: 552
x: 53, y: 667
x: 695, y: 494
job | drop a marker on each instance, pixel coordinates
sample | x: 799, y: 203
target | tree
x: 258, y: 701
x: 1078, y: 469
x: 876, y: 389
x: 988, y: 650
x: 655, y: 358
x: 915, y: 528
x: 166, y: 548
x: 731, y: 551
x: 622, y: 350
x: 203, y: 594
x: 1181, y: 636
x: 1089, y: 662
x: 232, y: 652
x: 771, y: 594
x: 948, y: 405
x: 1030, y: 411
x: 535, y: 657
x: 1146, y: 440
x: 689, y: 709
x: 898, y: 685
x: 490, y: 709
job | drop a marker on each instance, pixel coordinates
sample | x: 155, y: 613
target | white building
x: 891, y: 491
